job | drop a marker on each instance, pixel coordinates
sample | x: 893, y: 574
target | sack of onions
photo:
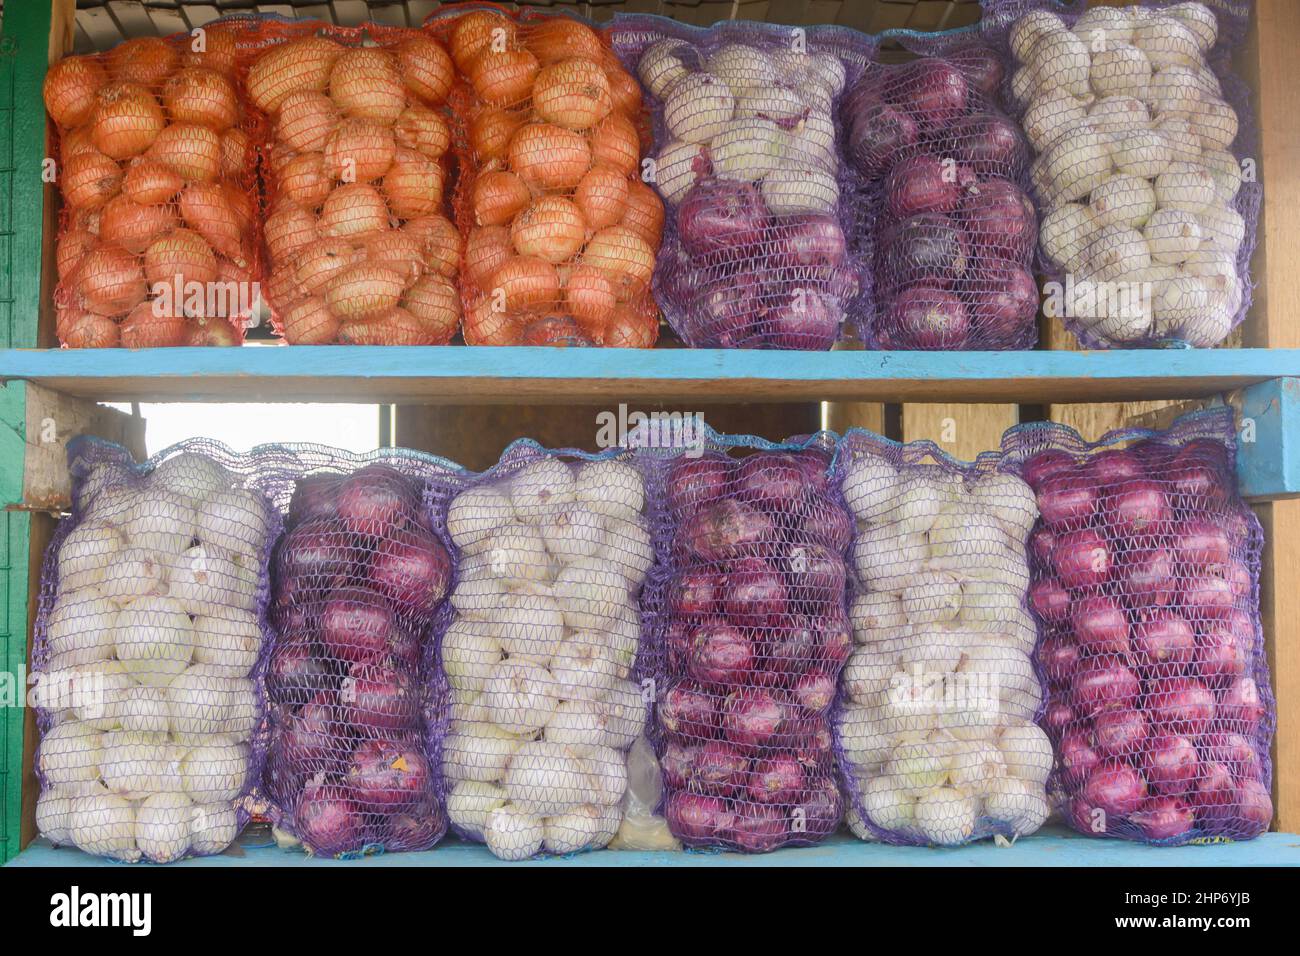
x: 942, y: 180
x: 157, y: 241
x: 150, y: 642
x: 356, y: 704
x: 545, y: 659
x: 1145, y: 584
x: 936, y: 735
x: 1139, y: 132
x: 753, y: 633
x: 560, y: 231
x: 746, y: 162
x: 359, y: 248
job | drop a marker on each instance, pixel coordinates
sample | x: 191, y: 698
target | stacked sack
x: 1146, y: 567
x: 745, y: 158
x: 359, y: 248
x: 545, y: 658
x: 560, y: 231
x: 937, y: 740
x: 1140, y: 132
x: 356, y: 704
x: 753, y: 634
x: 946, y: 220
x: 148, y: 652
x: 157, y: 239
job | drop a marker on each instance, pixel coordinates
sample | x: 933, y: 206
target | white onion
x: 53, y: 815
x: 1027, y: 30
x: 80, y: 629
x: 538, y: 487
x: 886, y: 560
x: 946, y: 816
x: 1183, y: 299
x: 814, y: 140
x: 1027, y: 752
x: 608, y: 487
x: 154, y: 639
x: 70, y: 753
x: 868, y: 673
x: 697, y: 107
x: 1223, y: 166
x: 160, y: 521
x: 932, y: 598
x: 741, y: 66
x: 1216, y: 123
x: 583, y: 665
x: 1142, y: 153
x: 520, y: 696
x: 606, y: 772
x: 215, y: 773
x: 529, y: 626
x: 1166, y: 41
x: 470, y: 651
x: 1114, y: 24
x: 138, y: 573
x: 1009, y: 500
x: 869, y: 488
x: 625, y: 714
x: 590, y: 593
x: 1051, y: 113
x: 887, y: 807
x: 1117, y: 116
x: 677, y: 168
x: 573, y: 531
x: 1116, y: 251
x: 144, y: 710
x: 470, y: 802
x: 1120, y: 69
x: 478, y: 752
x: 213, y: 827
x: 236, y: 521
x: 104, y: 824
x: 1078, y: 164
x: 1123, y: 201
x: 191, y: 475
x: 1023, y: 84
x: 748, y: 149
x: 1184, y: 143
x: 577, y: 722
x: 1222, y: 229
x: 478, y: 595
x: 514, y: 552
x: 512, y: 834
x: 1067, y: 232
x: 1177, y: 92
x: 1060, y: 59
x: 1173, y: 235
x: 162, y: 826
x: 974, y: 765
x: 85, y: 553
x: 229, y: 640
x: 137, y: 765
x: 629, y: 548
x: 199, y: 701
x: 780, y: 103
x: 203, y: 581
x: 474, y: 514
x: 1017, y: 803
x: 545, y: 778
x: 661, y: 65
x: 582, y: 828
x: 1198, y: 19
x: 875, y: 615
x: 790, y: 190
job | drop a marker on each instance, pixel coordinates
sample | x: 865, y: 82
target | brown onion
x: 305, y: 120
x: 86, y: 330
x: 602, y: 196
x: 486, y: 251
x: 426, y: 68
x: 147, y: 328
x: 354, y: 209
x: 551, y: 229
x: 645, y: 213
x: 133, y: 226
x: 148, y: 180
x: 71, y: 89
x: 90, y: 180
x: 625, y: 257
x: 303, y: 180
x: 560, y: 38
x: 398, y: 252
x: 423, y: 130
x: 236, y: 161
x: 127, y: 121
x: 207, y: 209
x: 440, y: 244
x: 299, y: 65
x: 526, y: 283
x: 490, y: 131
x: 363, y: 291
x: 289, y: 228
x: 365, y: 84
x: 309, y: 322
x: 203, y: 97
x: 616, y: 142
x: 413, y: 185
x: 434, y: 302
x: 497, y: 197
x: 359, y: 151
x: 181, y: 253
x: 72, y: 248
x: 549, y: 156
x: 320, y: 262
x: 394, y: 327
x: 503, y: 77
x: 193, y: 151
x: 144, y: 60
x: 589, y: 298
x: 630, y: 330
x: 573, y: 94
x: 219, y: 51
x: 110, y: 280
x: 475, y: 32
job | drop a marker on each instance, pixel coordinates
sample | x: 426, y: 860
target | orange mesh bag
x: 155, y: 165
x: 359, y: 249
x: 560, y: 231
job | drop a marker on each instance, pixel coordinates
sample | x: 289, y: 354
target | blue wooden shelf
x: 1053, y: 846
x: 455, y: 374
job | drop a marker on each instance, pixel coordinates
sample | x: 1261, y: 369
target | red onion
x: 1181, y: 705
x: 751, y: 717
x: 1254, y: 806
x: 314, y: 496
x: 1066, y: 501
x: 1135, y: 507
x: 775, y: 480
x: 1171, y: 764
x: 720, y: 768
x: 720, y: 215
x: 1044, y: 465
x: 724, y: 313
x: 1207, y: 597
x: 932, y: 90
x: 1119, y: 733
x: 1059, y: 656
x: 929, y: 249
x: 311, y: 738
x: 313, y: 554
x: 812, y: 240
x: 719, y: 654
x: 1002, y: 301
x: 878, y: 133
x: 1081, y: 558
x: 1078, y: 758
x: 1234, y: 750
x: 1050, y: 600
x: 981, y: 66
x: 776, y: 780
x: 726, y: 528
x: 814, y: 574
x: 1164, y: 818
x: 757, y: 828
x: 1200, y: 543
x: 1165, y: 642
x: 1223, y: 647
x: 1241, y: 704
x: 687, y: 710
x: 754, y: 595
x: 1042, y: 542
x: 1058, y: 717
x: 696, y: 481
x: 355, y: 624
x: 1214, y: 792
x: 821, y: 810
x: 921, y: 183
x: 803, y: 319
x: 989, y: 143
x: 834, y: 641
x: 825, y: 523
x: 374, y: 697
x: 700, y: 818
x: 1114, y: 466
x: 1104, y: 683
x: 1148, y: 578
x: 412, y: 569
x: 695, y: 593
x: 1115, y: 787
x: 999, y: 219
x: 385, y: 774
x: 328, y: 821
x: 1100, y: 625
x: 678, y: 764
x: 375, y: 500
x: 814, y: 691
x: 925, y: 317
x: 295, y: 673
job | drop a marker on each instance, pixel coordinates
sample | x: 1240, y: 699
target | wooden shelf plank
x: 1052, y: 846
x: 461, y: 375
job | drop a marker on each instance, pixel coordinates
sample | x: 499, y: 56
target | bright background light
x: 350, y: 427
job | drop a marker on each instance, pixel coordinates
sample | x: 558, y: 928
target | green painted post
x: 24, y: 56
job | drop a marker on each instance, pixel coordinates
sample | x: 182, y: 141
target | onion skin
x: 70, y: 88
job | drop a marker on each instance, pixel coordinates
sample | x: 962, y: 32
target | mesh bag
x: 157, y: 230
x: 357, y: 705
x: 752, y: 634
x: 1143, y: 167
x: 1146, y: 570
x: 560, y: 232
x: 544, y: 658
x: 745, y: 158
x: 941, y: 200
x: 936, y: 735
x: 359, y: 247
x: 149, y: 652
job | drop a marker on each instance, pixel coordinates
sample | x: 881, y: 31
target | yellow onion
x: 90, y: 180
x: 526, y: 283
x: 573, y: 93
x: 365, y: 84
x: 309, y: 322
x: 631, y: 330
x: 206, y: 208
x: 645, y: 213
x: 351, y: 210
x: 363, y: 291
x: 497, y: 197
x: 219, y: 51
x: 320, y: 262
x: 181, y: 253
x: 127, y: 120
x: 146, y: 327
x: 288, y: 228
x: 398, y: 252
x: 74, y: 143
x: 303, y: 180
x: 486, y: 251
x: 623, y: 88
x: 299, y: 65
x: 423, y: 130
x: 503, y: 77
x: 440, y: 244
x: 490, y: 131
x: 549, y: 156
x: 625, y: 258
x: 602, y: 196
x: 281, y: 289
x: 110, y: 280
x: 359, y: 151
x: 78, y: 329
x: 615, y: 142
x: 203, y: 97
x: 560, y: 38
x: 240, y: 203
x: 133, y: 226
x: 71, y: 89
x: 551, y: 229
x: 435, y: 303
x: 394, y: 327
x: 426, y: 68
x: 413, y: 185
x: 484, y: 325
x: 148, y: 180
x: 71, y: 248
x: 589, y: 298
x: 305, y: 120
x: 193, y: 151
x: 144, y: 60
x: 475, y: 32
x: 236, y: 160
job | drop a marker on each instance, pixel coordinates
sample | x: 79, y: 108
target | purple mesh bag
x: 149, y: 651
x: 545, y: 661
x: 1146, y: 587
x: 751, y: 632
x: 356, y: 701
x: 941, y: 196
x: 746, y: 160
x: 936, y: 734
x: 1142, y: 137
